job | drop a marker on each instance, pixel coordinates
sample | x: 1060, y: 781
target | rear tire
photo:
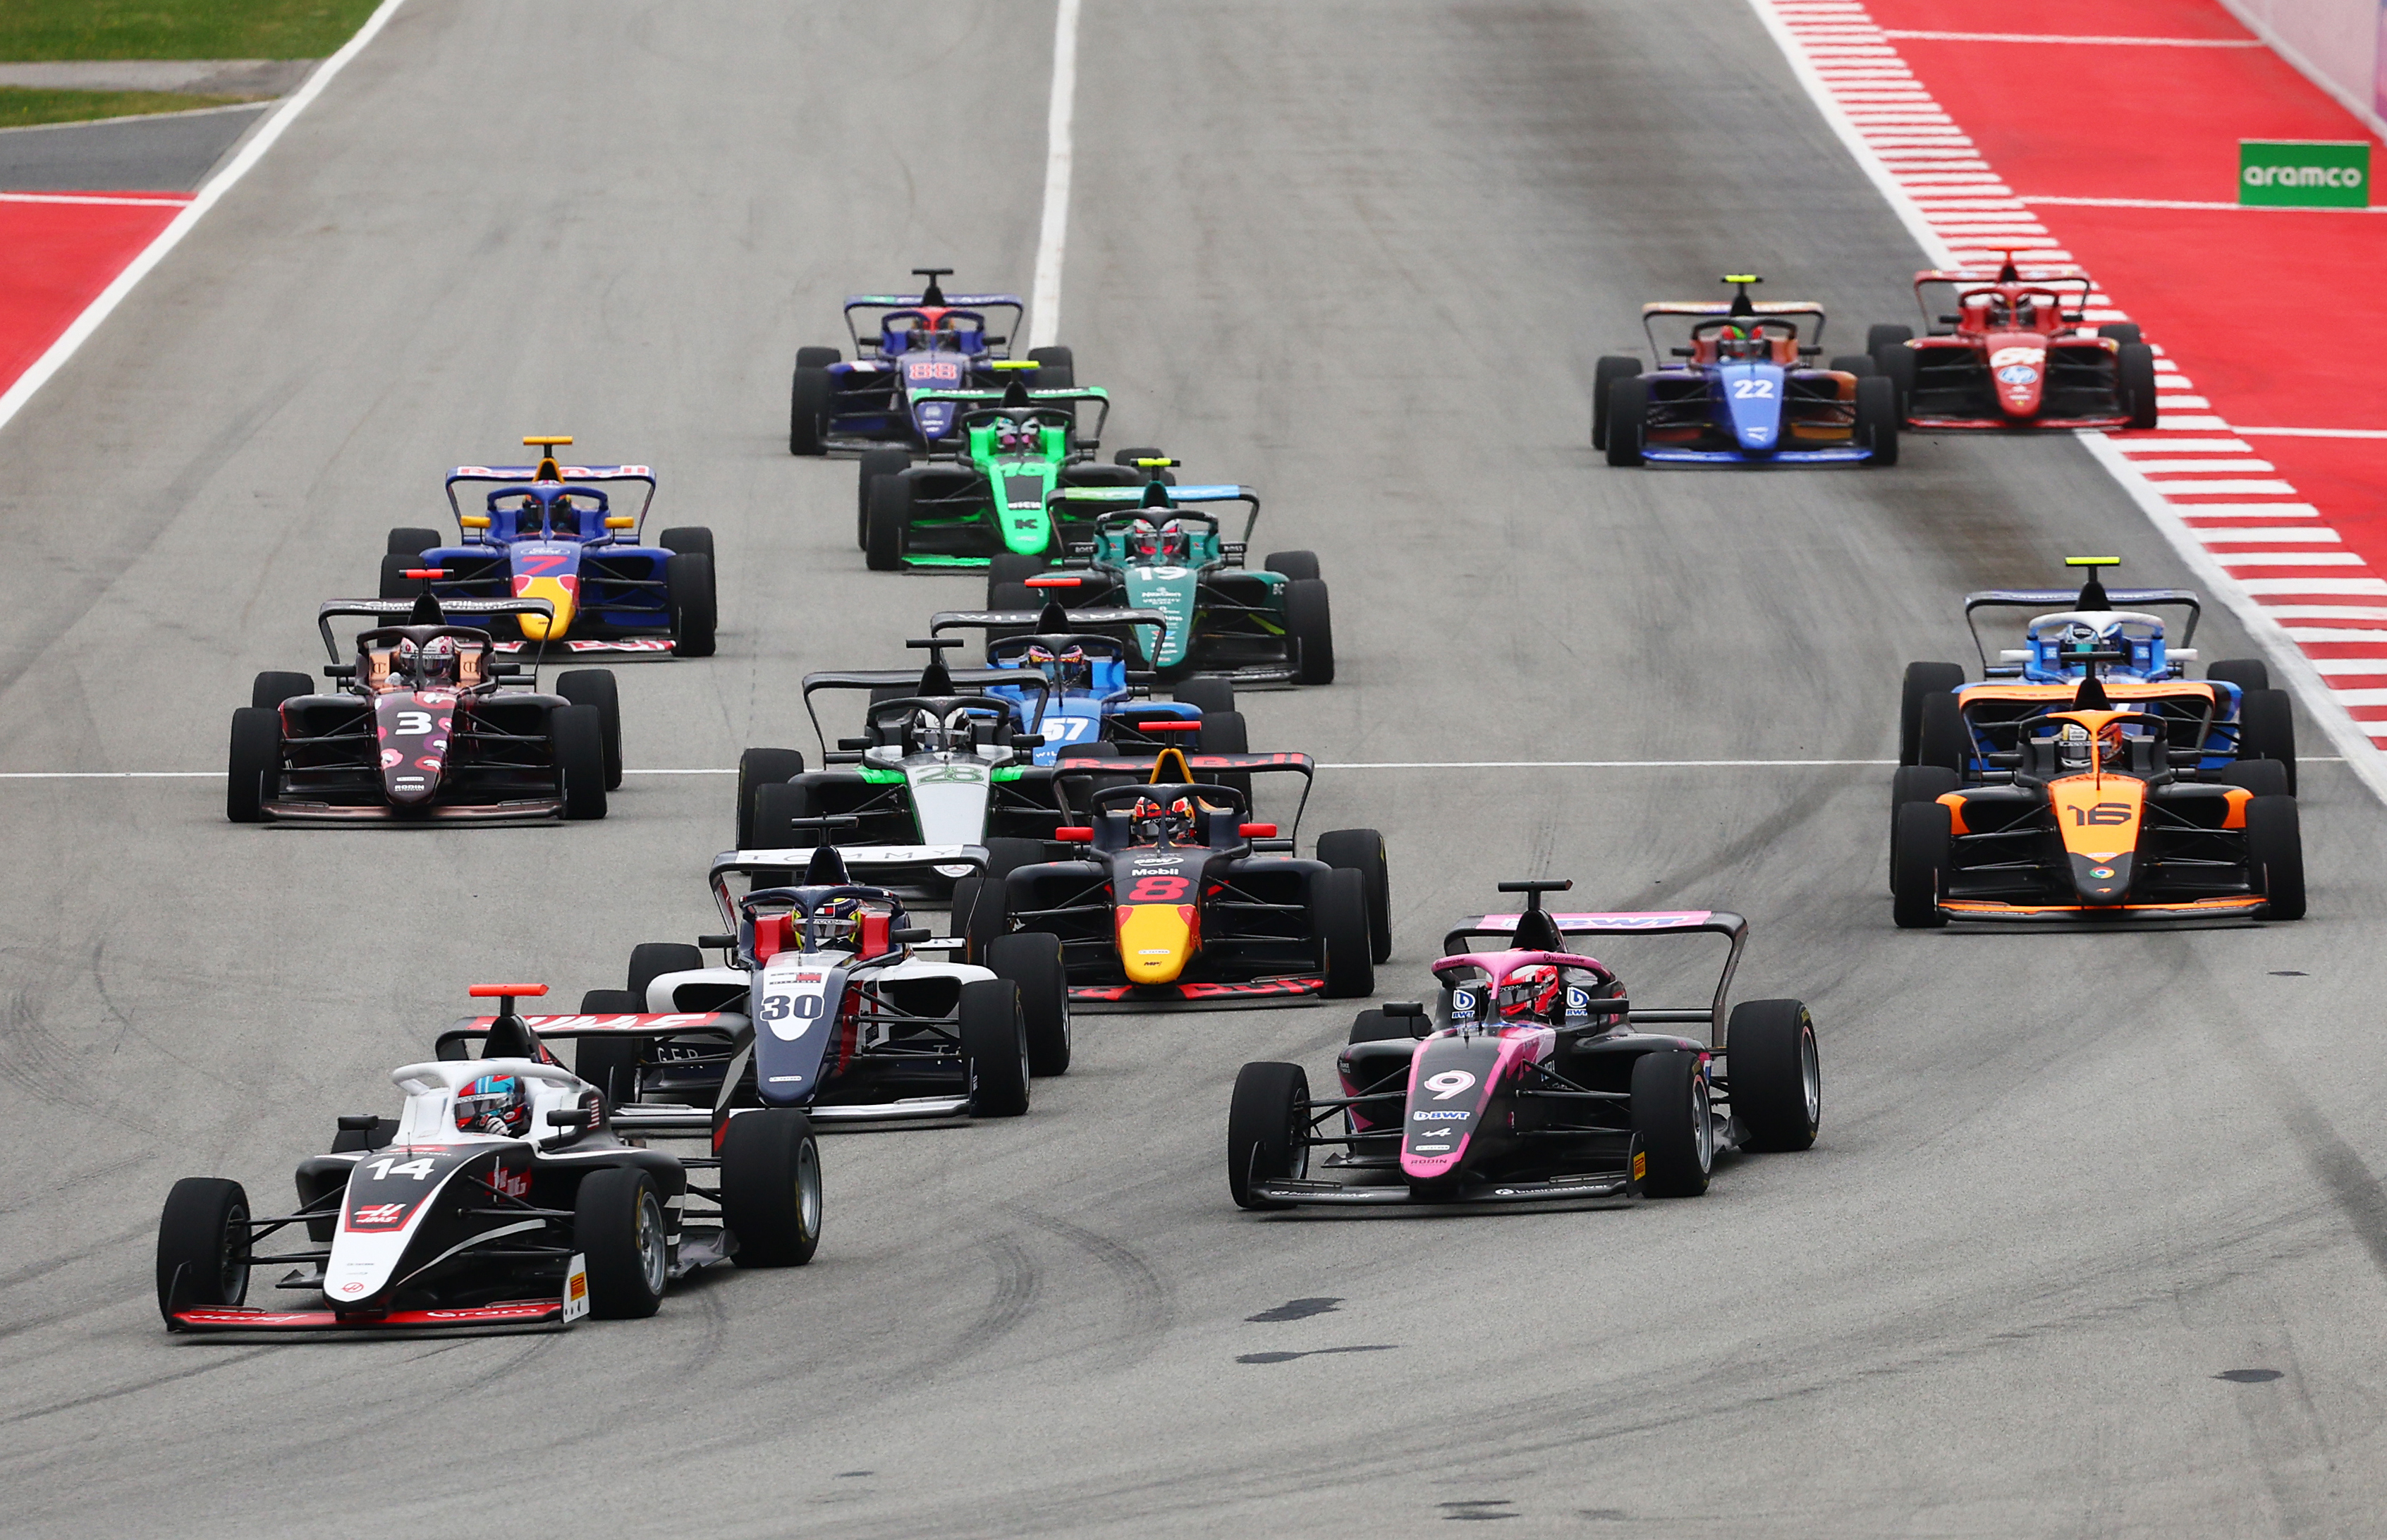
x: 981, y: 914
x: 1310, y: 622
x: 2275, y: 849
x: 1895, y: 363
x: 1362, y: 851
x: 1859, y: 364
x: 2246, y: 672
x: 1913, y: 783
x: 1876, y: 427
x: 1338, y: 917
x: 1670, y: 1114
x: 1056, y: 369
x: 203, y: 1251
x: 1374, y: 1024
x: 577, y: 737
x: 1921, y: 845
x: 274, y: 688
x: 1293, y: 564
x: 874, y: 464
x: 1604, y: 375
x: 1881, y: 335
x: 2120, y: 331
x: 650, y: 960
x: 1628, y: 419
x: 1939, y: 735
x: 254, y: 775
x: 1922, y: 681
x: 2267, y: 729
x: 777, y: 803
x: 756, y: 769
x: 1011, y: 567
x: 618, y: 1229
x: 808, y: 403
x: 2264, y: 777
x: 2135, y: 382
x: 412, y: 543
x: 1267, y: 1128
x: 595, y: 687
x: 890, y: 514
x: 771, y: 1187
x: 1031, y: 959
x: 993, y: 1030
x: 688, y: 540
x: 1777, y: 1080
x: 1223, y: 733
x: 695, y: 608
x: 1206, y: 695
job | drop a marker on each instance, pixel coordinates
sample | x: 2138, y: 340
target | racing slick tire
x: 1377, y: 1025
x: 1670, y: 1113
x: 1056, y: 369
x: 395, y: 584
x: 2267, y: 729
x: 981, y: 914
x: 1895, y: 362
x: 1223, y: 733
x: 1777, y: 1080
x: 202, y: 1245
x: 1913, y: 783
x: 1604, y: 375
x: 777, y: 803
x: 1886, y: 334
x: 255, y: 771
x: 1007, y: 853
x: 1628, y: 419
x: 1310, y: 622
x: 2275, y: 848
x: 771, y: 1187
x: 890, y: 513
x: 1922, y: 681
x: 688, y: 540
x: 2121, y: 331
x: 273, y: 687
x: 618, y: 1227
x: 874, y: 464
x: 412, y: 542
x: 1338, y: 917
x: 2246, y: 672
x: 1940, y: 737
x: 1859, y: 364
x: 1031, y: 959
x: 2264, y: 777
x: 1922, y: 838
x: 1206, y: 695
x: 1268, y: 1129
x: 1362, y: 849
x: 756, y: 769
x: 1876, y: 427
x: 577, y: 737
x: 1012, y: 569
x: 610, y: 1064
x: 809, y: 399
x: 1291, y: 563
x: 595, y: 687
x: 2134, y: 380
x: 994, y: 1031
x: 695, y: 607
x: 650, y: 960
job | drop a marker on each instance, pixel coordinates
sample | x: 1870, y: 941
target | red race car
x: 2012, y: 354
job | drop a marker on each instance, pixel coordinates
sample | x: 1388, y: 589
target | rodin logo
x: 2304, y: 173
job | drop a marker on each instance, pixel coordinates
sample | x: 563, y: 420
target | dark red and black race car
x: 420, y: 726
x: 2014, y: 353
x: 1533, y: 1078
x: 1181, y: 898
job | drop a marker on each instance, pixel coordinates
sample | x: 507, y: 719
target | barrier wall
x: 2336, y: 43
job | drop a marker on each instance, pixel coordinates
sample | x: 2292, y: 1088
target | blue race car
x: 916, y: 342
x: 1746, y: 393
x: 1072, y: 682
x: 551, y: 532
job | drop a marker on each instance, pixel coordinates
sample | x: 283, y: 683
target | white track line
x: 2177, y: 203
x: 75, y: 335
x: 175, y: 202
x: 1053, y: 233
x: 2317, y: 433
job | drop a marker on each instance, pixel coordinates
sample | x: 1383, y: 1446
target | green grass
x: 23, y: 106
x: 177, y: 29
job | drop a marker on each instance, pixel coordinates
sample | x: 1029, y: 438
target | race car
x: 502, y: 1196
x: 2095, y: 814
x: 1745, y: 393
x: 2012, y: 354
x: 1181, y: 898
x: 1533, y: 1079
x: 551, y: 532
x: 905, y: 344
x: 422, y: 727
x: 1151, y: 547
x: 2233, y: 713
x: 829, y: 1009
x: 985, y: 491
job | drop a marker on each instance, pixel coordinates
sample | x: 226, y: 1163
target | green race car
x: 991, y: 493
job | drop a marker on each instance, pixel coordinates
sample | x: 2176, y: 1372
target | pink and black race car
x: 2014, y: 353
x: 1534, y: 1078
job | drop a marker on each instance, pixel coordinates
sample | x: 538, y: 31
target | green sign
x: 2304, y: 173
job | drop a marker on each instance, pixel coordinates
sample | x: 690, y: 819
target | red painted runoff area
x: 55, y: 257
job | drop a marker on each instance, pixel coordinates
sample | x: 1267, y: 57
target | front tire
x: 1921, y: 682
x: 1913, y: 783
x: 576, y: 738
x: 1604, y: 377
x: 695, y: 607
x: 595, y: 687
x: 1362, y: 851
x: 1309, y: 621
x: 994, y: 1031
x: 254, y: 775
x: 1267, y: 1130
x: 618, y: 1228
x: 203, y: 1253
x: 2134, y: 377
x: 1031, y: 959
x: 412, y: 543
x: 890, y: 515
x: 1777, y: 1080
x: 2275, y: 852
x: 1877, y: 426
x: 771, y: 1187
x: 2267, y: 729
x: 1628, y: 419
x: 808, y: 404
x: 874, y: 464
x: 1670, y: 1113
x: 1941, y: 738
x: 1338, y: 917
x: 1921, y: 847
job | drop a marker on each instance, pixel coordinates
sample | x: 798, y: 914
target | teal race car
x: 991, y: 492
x: 1153, y: 548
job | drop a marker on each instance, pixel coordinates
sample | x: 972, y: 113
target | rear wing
x: 967, y: 400
x: 2069, y: 599
x: 1706, y: 309
x: 862, y: 862
x: 2054, y: 275
x: 453, y: 1042
x: 591, y: 475
x: 880, y: 678
x: 1077, y: 767
x: 1031, y: 621
x: 1179, y: 497
x: 1662, y: 922
x: 448, y: 607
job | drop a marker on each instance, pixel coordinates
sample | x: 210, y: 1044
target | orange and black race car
x: 2093, y: 811
x: 1181, y: 898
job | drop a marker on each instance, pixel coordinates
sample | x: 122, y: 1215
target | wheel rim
x: 235, y: 1280
x: 1297, y: 1142
x: 1702, y: 1126
x: 1020, y: 1024
x: 649, y: 1239
x: 808, y: 1188
x: 1811, y: 1078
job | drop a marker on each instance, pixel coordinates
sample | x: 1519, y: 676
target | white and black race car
x: 501, y: 1195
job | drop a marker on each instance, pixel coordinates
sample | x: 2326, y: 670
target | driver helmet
x: 835, y: 925
x: 565, y: 519
x: 1163, y: 543
x: 494, y: 1103
x: 1065, y: 667
x: 928, y: 734
x: 1018, y: 433
x: 1529, y: 993
x: 2081, y: 637
x: 1739, y: 342
x: 2077, y: 749
x: 435, y: 664
x: 405, y: 659
x: 1154, y: 824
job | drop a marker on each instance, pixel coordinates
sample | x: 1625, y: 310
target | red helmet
x: 494, y: 1103
x: 1530, y: 993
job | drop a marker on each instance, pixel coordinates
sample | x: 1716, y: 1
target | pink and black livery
x: 1534, y: 1078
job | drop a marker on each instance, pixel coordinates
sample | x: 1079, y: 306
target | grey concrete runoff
x: 199, y: 77
x: 167, y: 153
x: 2071, y: 1188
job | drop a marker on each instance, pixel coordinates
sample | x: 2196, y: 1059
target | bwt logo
x: 2304, y: 176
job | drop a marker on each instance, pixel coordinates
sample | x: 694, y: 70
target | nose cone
x: 561, y: 592
x: 1155, y: 941
x: 1752, y: 401
x: 2018, y: 373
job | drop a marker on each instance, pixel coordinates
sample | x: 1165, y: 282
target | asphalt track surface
x: 1362, y: 257
x: 169, y: 153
